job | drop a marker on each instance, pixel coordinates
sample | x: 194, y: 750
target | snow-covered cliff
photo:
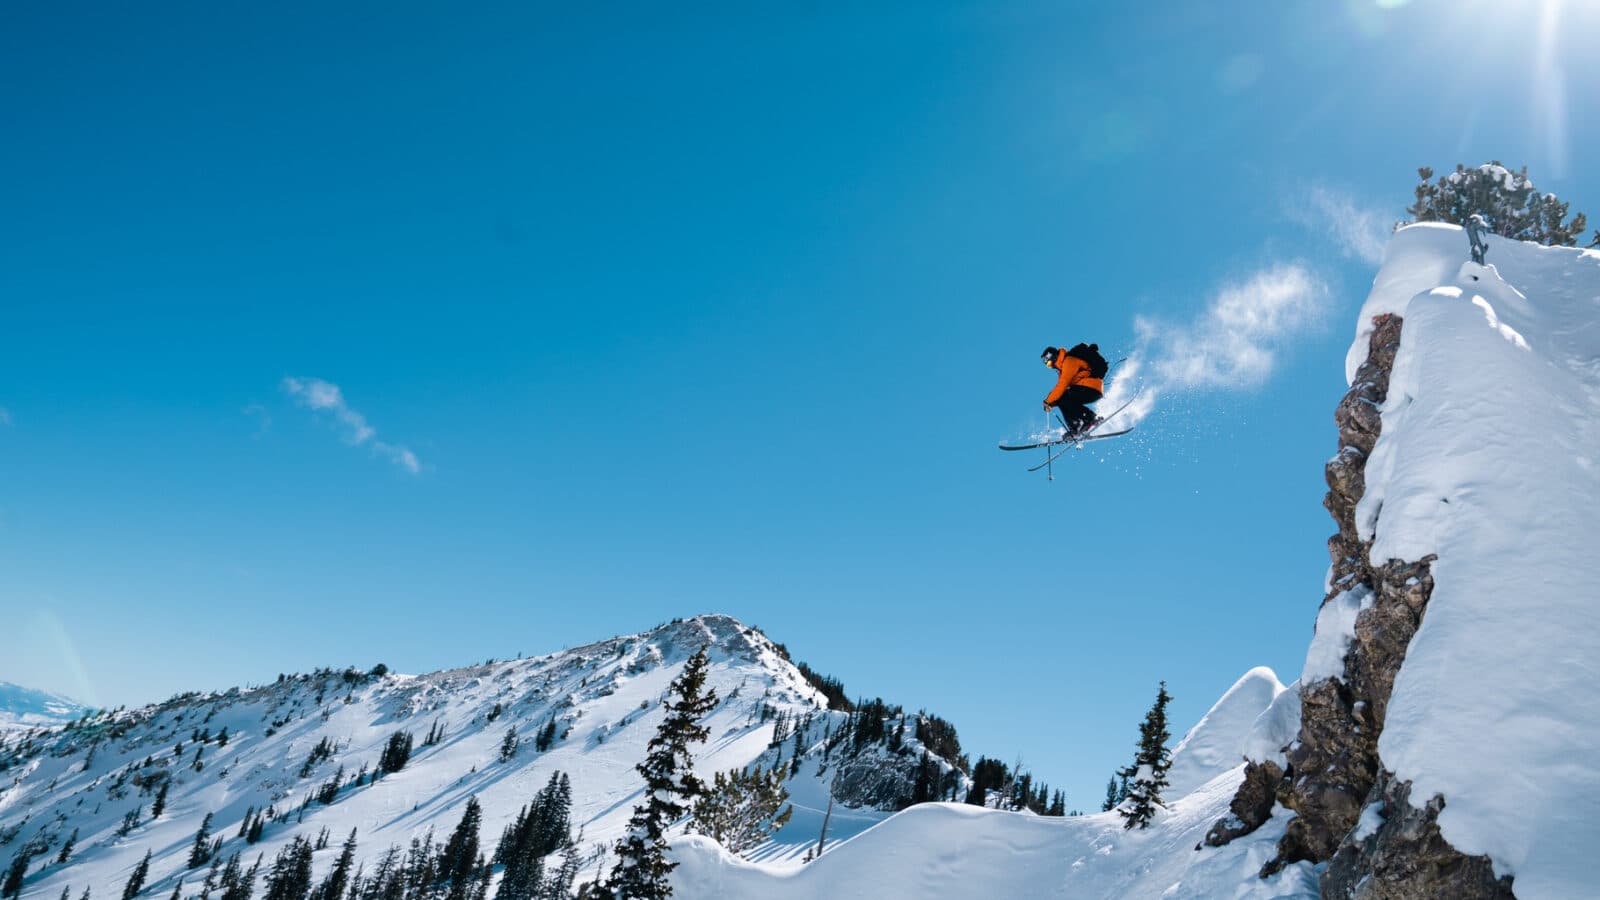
x: 1439, y: 741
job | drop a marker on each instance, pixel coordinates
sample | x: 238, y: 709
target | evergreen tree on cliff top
x: 1147, y: 777
x: 1508, y: 200
x: 670, y: 787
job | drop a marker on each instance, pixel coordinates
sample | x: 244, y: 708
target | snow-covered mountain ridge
x: 230, y: 752
x: 22, y: 708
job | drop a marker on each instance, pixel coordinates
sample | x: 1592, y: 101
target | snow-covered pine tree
x: 1507, y: 199
x: 742, y: 808
x: 670, y: 786
x: 1148, y: 774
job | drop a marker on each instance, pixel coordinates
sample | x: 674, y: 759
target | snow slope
x: 603, y: 696
x: 1490, y: 459
x: 947, y: 850
x: 1216, y: 743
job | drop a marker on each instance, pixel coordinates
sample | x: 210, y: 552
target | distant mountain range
x: 22, y: 706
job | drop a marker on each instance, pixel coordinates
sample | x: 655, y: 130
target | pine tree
x: 130, y: 821
x: 396, y: 753
x: 559, y: 885
x: 460, y: 852
x: 1507, y: 200
x: 200, y: 852
x: 177, y: 891
x: 1148, y: 773
x: 508, y: 745
x: 160, y: 806
x: 742, y: 808
x: 1112, y: 797
x: 539, y: 830
x: 329, y: 791
x: 210, y: 882
x: 290, y: 878
x: 333, y: 887
x: 244, y: 826
x: 66, y: 849
x: 11, y: 887
x: 230, y: 878
x: 670, y: 786
x: 546, y: 737
x: 136, y: 880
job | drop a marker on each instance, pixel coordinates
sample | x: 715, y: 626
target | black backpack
x: 1090, y: 354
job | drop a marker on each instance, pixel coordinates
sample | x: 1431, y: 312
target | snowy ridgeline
x: 603, y: 701
x: 24, y: 708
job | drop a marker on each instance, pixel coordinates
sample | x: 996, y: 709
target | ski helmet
x: 1049, y: 355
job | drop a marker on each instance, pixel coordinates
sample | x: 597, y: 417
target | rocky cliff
x: 1349, y: 811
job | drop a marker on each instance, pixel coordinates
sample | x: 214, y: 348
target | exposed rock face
x: 1405, y: 857
x: 876, y: 780
x: 1333, y: 770
x: 1251, y: 806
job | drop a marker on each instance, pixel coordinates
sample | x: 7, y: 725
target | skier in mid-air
x: 1079, y: 383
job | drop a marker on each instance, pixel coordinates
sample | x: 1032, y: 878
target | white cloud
x: 325, y: 396
x: 1359, y: 232
x: 1232, y: 344
x: 400, y: 456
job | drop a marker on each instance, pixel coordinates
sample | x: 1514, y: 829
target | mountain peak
x: 25, y: 706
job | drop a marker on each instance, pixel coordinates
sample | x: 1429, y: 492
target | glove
x: 1047, y: 406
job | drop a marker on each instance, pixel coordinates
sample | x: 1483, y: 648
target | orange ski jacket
x: 1074, y: 373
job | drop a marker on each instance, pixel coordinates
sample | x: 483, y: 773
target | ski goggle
x: 1048, y: 360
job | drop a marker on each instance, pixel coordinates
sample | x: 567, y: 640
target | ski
x: 1069, y: 445
x: 1058, y: 442
x: 1088, y: 437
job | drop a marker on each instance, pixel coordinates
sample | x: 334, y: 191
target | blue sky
x: 420, y: 335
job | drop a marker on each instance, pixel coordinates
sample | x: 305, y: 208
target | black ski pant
x: 1074, y: 407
